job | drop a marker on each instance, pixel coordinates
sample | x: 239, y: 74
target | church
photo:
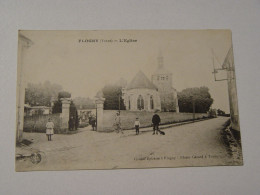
x: 150, y: 95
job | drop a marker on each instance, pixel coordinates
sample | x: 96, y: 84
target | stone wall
x: 145, y: 118
x: 37, y: 123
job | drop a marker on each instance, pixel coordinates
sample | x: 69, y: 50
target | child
x: 49, y: 129
x: 137, y: 126
x: 117, y: 123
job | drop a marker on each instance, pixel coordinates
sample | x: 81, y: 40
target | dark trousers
x: 49, y: 137
x: 155, y: 128
x: 137, y: 129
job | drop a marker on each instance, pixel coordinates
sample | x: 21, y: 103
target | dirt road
x: 195, y: 144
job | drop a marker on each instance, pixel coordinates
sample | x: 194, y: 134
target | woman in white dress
x: 49, y: 129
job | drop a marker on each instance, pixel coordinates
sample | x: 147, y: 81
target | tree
x: 74, y: 114
x: 201, y: 97
x: 64, y: 94
x: 221, y: 112
x: 113, y: 94
x: 166, y: 102
x: 84, y: 103
x: 41, y: 94
x: 57, y: 106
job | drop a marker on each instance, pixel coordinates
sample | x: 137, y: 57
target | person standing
x: 71, y: 123
x: 137, y: 126
x: 49, y: 129
x: 118, y: 123
x: 93, y: 123
x: 156, y: 121
x: 90, y: 120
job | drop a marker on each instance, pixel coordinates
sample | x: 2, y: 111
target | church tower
x: 162, y: 79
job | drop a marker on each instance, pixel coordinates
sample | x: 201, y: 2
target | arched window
x: 129, y: 104
x: 151, y: 103
x: 140, y: 103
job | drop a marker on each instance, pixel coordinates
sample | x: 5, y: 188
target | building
x: 157, y: 94
x: 141, y: 94
x: 36, y: 110
x: 162, y: 79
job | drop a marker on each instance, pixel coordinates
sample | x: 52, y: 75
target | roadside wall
x: 145, y: 118
x: 37, y: 123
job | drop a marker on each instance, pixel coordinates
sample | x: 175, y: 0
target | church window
x: 162, y: 78
x: 140, y: 103
x: 151, y: 103
x: 129, y: 104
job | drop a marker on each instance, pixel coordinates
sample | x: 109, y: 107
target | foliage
x: 167, y: 104
x: 74, y: 114
x: 201, y: 97
x: 41, y: 94
x: 113, y: 94
x: 220, y: 112
x: 84, y: 103
x: 212, y: 113
x: 83, y: 124
x: 64, y: 94
x: 57, y: 106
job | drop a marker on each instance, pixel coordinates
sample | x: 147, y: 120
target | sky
x: 83, y: 68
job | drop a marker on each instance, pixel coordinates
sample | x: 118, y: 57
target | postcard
x: 116, y: 99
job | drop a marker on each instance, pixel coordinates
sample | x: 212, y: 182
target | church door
x: 140, y: 103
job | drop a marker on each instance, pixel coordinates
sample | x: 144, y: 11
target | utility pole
x: 96, y: 116
x: 119, y: 103
x: 119, y: 109
x: 228, y: 66
x: 193, y: 108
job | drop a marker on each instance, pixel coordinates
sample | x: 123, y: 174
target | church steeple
x: 160, y: 67
x: 160, y: 60
x: 162, y: 78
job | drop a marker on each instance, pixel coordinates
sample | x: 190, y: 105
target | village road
x: 194, y: 144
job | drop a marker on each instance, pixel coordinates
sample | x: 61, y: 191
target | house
x: 36, y: 110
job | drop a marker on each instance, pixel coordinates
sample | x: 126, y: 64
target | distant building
x: 36, y: 110
x: 157, y: 94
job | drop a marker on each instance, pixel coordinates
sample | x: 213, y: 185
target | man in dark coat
x: 71, y: 124
x: 93, y: 123
x: 156, y: 121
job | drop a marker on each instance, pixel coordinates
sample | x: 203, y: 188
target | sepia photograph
x: 126, y: 99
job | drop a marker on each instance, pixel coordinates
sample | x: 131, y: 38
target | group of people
x: 92, y: 121
x: 155, y: 122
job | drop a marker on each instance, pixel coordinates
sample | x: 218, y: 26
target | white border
x: 242, y: 17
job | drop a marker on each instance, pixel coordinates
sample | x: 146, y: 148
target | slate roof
x: 141, y: 81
